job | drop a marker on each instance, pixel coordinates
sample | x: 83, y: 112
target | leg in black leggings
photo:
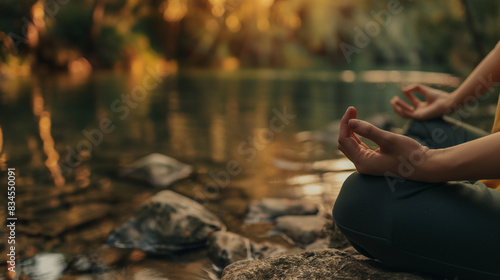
x: 450, y: 229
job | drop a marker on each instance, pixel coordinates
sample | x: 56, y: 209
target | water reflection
x: 2, y: 154
x: 197, y: 118
x: 52, y: 161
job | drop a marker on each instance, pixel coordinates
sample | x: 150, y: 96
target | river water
x: 68, y: 136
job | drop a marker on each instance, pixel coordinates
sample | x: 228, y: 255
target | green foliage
x: 265, y: 33
x: 73, y: 23
x: 109, y: 46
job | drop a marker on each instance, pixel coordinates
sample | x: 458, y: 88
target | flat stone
x: 313, y: 264
x: 47, y: 266
x: 166, y: 222
x: 301, y: 229
x: 157, y: 169
x: 269, y: 209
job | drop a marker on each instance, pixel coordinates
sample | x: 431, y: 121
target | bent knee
x: 363, y: 205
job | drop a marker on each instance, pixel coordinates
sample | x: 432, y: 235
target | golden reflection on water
x: 2, y: 154
x: 44, y: 126
x: 178, y: 127
x: 37, y: 101
x: 218, y: 138
x: 48, y: 147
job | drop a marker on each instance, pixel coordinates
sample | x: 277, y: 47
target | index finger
x: 345, y: 130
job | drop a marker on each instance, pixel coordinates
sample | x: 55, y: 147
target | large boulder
x: 312, y: 264
x: 166, y: 222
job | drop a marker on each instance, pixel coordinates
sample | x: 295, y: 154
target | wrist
x: 454, y: 102
x: 433, y: 167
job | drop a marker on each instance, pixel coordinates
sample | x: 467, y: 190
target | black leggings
x: 450, y: 229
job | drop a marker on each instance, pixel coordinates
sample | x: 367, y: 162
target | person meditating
x: 414, y: 203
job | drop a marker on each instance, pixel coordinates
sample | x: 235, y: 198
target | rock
x: 157, y: 169
x: 166, y: 222
x: 227, y: 247
x: 45, y: 266
x: 301, y: 229
x: 313, y: 264
x: 149, y: 274
x: 270, y: 208
x: 82, y: 263
x: 322, y: 243
x: 336, y: 238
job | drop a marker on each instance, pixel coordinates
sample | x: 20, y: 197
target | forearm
x: 477, y: 159
x: 484, y: 76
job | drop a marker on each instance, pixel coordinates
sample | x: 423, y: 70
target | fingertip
x: 354, y: 112
x: 353, y: 123
x: 351, y: 112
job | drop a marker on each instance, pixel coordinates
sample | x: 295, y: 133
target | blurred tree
x: 244, y: 33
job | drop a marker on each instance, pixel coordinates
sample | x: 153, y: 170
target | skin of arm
x: 401, y: 156
x: 484, y: 76
x: 438, y: 103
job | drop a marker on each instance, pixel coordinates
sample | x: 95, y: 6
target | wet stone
x: 98, y: 261
x: 227, y: 247
x: 166, y: 222
x: 335, y: 237
x: 82, y: 263
x: 47, y: 266
x: 269, y: 209
x: 301, y: 229
x: 157, y: 169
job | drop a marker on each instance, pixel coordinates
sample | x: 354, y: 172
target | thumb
x: 369, y: 131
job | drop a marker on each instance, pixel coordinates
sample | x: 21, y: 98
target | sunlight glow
x: 312, y: 189
x: 233, y: 23
x: 37, y: 101
x: 79, y: 67
x: 348, y: 76
x: 175, y: 10
x: 218, y: 10
x: 263, y: 24
x: 230, y: 63
x: 38, y: 15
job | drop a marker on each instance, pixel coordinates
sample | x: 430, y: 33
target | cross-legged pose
x: 429, y: 200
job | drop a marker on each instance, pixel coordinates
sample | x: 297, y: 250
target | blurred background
x: 89, y: 86
x: 81, y: 36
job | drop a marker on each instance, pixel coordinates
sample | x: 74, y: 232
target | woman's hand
x: 397, y: 156
x: 436, y: 104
